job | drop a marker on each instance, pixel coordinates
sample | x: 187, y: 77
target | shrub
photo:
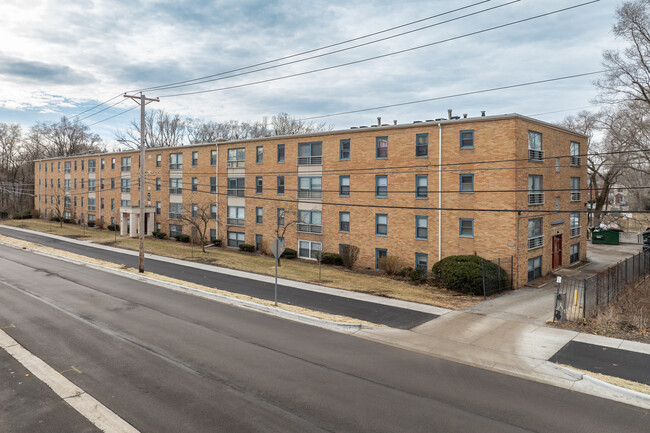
x: 349, y: 255
x: 100, y: 223
x: 289, y: 253
x: 114, y: 227
x: 417, y: 275
x: 390, y: 264
x: 160, y: 235
x: 217, y: 242
x: 182, y: 238
x: 67, y: 220
x: 4, y: 214
x: 247, y: 247
x: 55, y: 219
x: 91, y: 223
x: 23, y: 215
x: 404, y: 272
x: 464, y: 274
x: 331, y: 259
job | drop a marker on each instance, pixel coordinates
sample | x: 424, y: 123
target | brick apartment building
x: 498, y: 186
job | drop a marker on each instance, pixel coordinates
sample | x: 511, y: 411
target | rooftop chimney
x: 394, y: 122
x: 449, y: 114
x: 379, y: 121
x: 464, y: 115
x: 482, y: 113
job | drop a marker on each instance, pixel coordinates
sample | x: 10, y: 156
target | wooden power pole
x: 142, y: 100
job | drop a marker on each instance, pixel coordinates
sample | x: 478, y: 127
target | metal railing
x: 535, y: 155
x: 536, y: 242
x: 125, y: 189
x: 575, y: 196
x: 497, y: 274
x: 126, y: 168
x: 575, y: 161
x: 175, y: 216
x: 310, y: 193
x: 239, y: 192
x: 309, y: 228
x: 535, y: 198
x: 177, y: 166
x: 175, y: 191
x: 236, y: 164
x: 235, y: 222
x: 575, y: 231
x: 310, y: 160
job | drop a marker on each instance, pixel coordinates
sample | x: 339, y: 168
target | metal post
x: 276, y: 280
x: 584, y: 300
x: 483, y: 273
x: 142, y: 162
x: 499, y: 273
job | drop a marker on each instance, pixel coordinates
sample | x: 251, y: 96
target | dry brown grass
x: 297, y: 270
x: 623, y: 383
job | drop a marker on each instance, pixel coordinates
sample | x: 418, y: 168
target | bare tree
x: 627, y: 75
x: 161, y: 130
x: 63, y: 138
x: 198, y: 217
x: 284, y: 124
x: 280, y: 230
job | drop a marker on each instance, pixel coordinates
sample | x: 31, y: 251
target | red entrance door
x: 557, y: 251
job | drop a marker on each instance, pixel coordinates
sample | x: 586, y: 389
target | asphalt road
x: 169, y: 362
x: 628, y: 365
x: 394, y: 317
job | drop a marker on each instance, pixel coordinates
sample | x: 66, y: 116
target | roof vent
x: 440, y: 118
x: 455, y: 118
x: 364, y: 126
x: 354, y: 127
x: 482, y: 113
x: 378, y: 121
x: 417, y: 121
x: 429, y: 120
x: 449, y: 114
x: 394, y: 122
x: 385, y: 124
x: 464, y: 115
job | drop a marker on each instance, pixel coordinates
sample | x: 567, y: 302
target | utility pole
x: 142, y: 100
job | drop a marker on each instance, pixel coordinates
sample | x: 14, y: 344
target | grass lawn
x: 298, y: 270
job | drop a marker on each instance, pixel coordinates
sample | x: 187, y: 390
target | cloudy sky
x: 63, y: 57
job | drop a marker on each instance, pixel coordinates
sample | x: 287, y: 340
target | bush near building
x: 464, y: 274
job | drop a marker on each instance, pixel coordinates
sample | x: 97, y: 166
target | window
x: 467, y: 139
x: 381, y: 186
x: 59, y: 167
x: 535, y: 152
x: 92, y: 165
x: 213, y: 184
x: 421, y: 227
x: 125, y: 163
x: 575, y: 154
x: 175, y: 161
x: 101, y: 164
x: 91, y: 218
x: 259, y: 185
x: 466, y: 183
x: 259, y: 242
x: 575, y: 189
x: 82, y: 183
x: 535, y: 235
x: 235, y: 239
x: 67, y: 200
x: 82, y: 201
x: 421, y: 186
x: 213, y: 211
x: 91, y: 185
x: 112, y: 164
x: 66, y: 168
x: 112, y: 203
x: 422, y: 145
x: 574, y: 253
x: 310, y: 187
x: 380, y: 253
x: 575, y: 224
x: 195, y: 158
x: 344, y: 186
x: 466, y: 228
x: 175, y: 185
x: 91, y: 203
x: 280, y: 217
x: 381, y: 224
x: 259, y: 154
x: 158, y: 160
x: 310, y: 153
x: 422, y: 262
x: 213, y: 158
x: 195, y: 210
x: 237, y: 158
x: 195, y: 184
x: 310, y: 221
x: 58, y: 183
x: 535, y: 189
x: 344, y: 222
x: 259, y: 215
x: 82, y: 165
x: 125, y: 203
x: 344, y: 153
x: 66, y: 184
x: 101, y: 184
x: 309, y: 249
x: 236, y: 216
x: 236, y: 186
x: 382, y: 147
x: 175, y: 229
x: 101, y: 203
x: 75, y: 183
x: 280, y: 152
x: 280, y: 184
x: 158, y: 184
x: 158, y: 208
x: 125, y: 185
x: 175, y: 211
x: 158, y: 226
x: 213, y: 235
x: 534, y: 268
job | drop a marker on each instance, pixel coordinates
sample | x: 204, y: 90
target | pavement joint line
x: 98, y: 414
x: 409, y: 305
x: 291, y: 315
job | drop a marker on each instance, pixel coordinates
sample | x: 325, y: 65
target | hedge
x: 182, y: 238
x: 464, y: 274
x: 91, y: 223
x: 247, y: 247
x: 113, y: 227
x: 289, y: 253
x: 159, y: 235
x: 332, y: 259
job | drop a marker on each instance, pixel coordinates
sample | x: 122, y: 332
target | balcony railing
x: 235, y: 222
x: 575, y: 161
x: 66, y: 170
x: 535, y: 198
x: 175, y: 191
x: 310, y: 193
x: 175, y: 166
x: 236, y: 192
x: 236, y: 164
x: 126, y: 168
x: 310, y: 160
x: 310, y: 228
x: 535, y: 155
x: 575, y: 231
x: 536, y: 242
x: 575, y: 196
x: 91, y: 188
x: 125, y: 189
x: 91, y: 169
x: 175, y: 216
x: 91, y: 208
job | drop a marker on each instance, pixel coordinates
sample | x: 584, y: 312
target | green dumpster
x: 608, y: 237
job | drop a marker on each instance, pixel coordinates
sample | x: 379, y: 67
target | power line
x: 98, y: 105
x: 118, y: 114
x: 102, y: 110
x: 383, y: 55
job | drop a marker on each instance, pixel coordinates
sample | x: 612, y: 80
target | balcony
x: 175, y: 191
x: 575, y: 196
x: 126, y: 168
x: 236, y: 164
x: 575, y: 161
x: 236, y: 192
x: 176, y: 166
x: 310, y: 228
x: 175, y: 216
x: 535, y: 155
x: 125, y: 189
x: 310, y: 160
x: 66, y: 170
x: 536, y: 242
x: 310, y: 193
x: 239, y: 222
x: 90, y: 188
x: 535, y: 198
x: 91, y: 169
x: 575, y: 231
